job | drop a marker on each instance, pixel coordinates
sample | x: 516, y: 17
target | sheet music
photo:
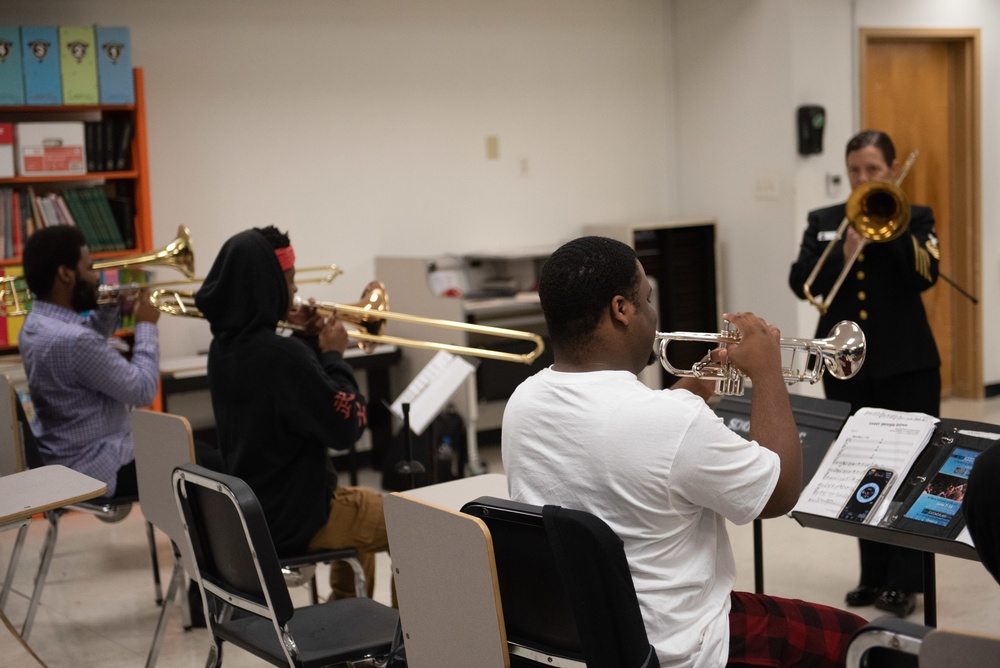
x: 431, y: 389
x: 872, y: 437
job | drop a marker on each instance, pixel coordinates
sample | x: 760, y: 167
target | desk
x: 188, y: 374
x: 45, y: 488
x: 36, y: 491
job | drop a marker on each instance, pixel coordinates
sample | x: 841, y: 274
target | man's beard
x: 84, y: 297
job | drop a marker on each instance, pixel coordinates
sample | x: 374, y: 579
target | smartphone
x: 867, y: 495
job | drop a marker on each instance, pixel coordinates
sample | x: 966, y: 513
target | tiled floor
x: 98, y: 609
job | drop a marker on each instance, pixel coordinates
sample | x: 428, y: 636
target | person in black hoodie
x: 281, y: 401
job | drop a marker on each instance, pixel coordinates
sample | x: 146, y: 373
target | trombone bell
x: 842, y: 353
x: 177, y: 254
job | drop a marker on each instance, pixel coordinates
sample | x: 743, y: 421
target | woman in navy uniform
x: 901, y: 372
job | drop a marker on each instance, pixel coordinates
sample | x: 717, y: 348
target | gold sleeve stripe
x: 922, y: 260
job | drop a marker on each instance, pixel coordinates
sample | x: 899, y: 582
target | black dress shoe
x: 862, y: 595
x: 896, y: 601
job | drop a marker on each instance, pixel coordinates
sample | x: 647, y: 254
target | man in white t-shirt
x: 661, y: 468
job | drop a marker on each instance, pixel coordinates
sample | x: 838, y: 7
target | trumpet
x: 15, y: 298
x: 368, y: 318
x: 841, y: 354
x: 879, y: 212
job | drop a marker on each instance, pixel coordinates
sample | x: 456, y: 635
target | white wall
x: 360, y: 126
x: 743, y: 66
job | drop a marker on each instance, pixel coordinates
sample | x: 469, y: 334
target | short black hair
x: 876, y: 138
x: 45, y: 251
x: 274, y: 236
x: 579, y: 280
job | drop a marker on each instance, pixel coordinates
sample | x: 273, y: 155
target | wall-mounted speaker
x: 811, y: 119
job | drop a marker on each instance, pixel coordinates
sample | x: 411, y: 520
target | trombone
x: 842, y: 354
x: 879, y: 211
x: 15, y: 298
x: 368, y: 317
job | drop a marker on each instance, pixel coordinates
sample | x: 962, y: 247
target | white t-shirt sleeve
x: 717, y: 469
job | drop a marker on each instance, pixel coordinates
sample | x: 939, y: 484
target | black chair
x: 237, y: 568
x: 565, y: 587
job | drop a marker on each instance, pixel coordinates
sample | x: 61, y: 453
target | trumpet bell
x: 879, y: 211
x: 844, y: 351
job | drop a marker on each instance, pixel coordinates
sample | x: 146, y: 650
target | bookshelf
x: 129, y: 185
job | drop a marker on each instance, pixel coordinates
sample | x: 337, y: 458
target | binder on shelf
x: 123, y: 208
x: 6, y: 150
x: 92, y: 144
x: 123, y: 145
x: 11, y: 71
x: 114, y: 65
x: 40, y: 62
x: 78, y: 65
x: 109, y: 128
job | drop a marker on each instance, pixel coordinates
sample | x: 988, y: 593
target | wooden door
x: 921, y: 87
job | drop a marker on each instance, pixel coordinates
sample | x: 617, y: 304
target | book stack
x: 108, y: 144
x: 65, y: 65
x: 106, y: 223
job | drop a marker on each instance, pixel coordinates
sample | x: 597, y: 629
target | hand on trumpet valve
x: 757, y: 346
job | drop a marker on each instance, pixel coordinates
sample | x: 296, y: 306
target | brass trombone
x: 842, y: 354
x: 368, y: 317
x: 879, y: 211
x: 15, y: 298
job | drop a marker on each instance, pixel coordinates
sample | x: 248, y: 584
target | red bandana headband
x: 286, y: 257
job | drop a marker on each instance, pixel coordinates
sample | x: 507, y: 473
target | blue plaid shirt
x: 82, y: 389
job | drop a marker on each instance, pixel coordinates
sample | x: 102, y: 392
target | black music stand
x: 928, y: 545
x: 819, y: 422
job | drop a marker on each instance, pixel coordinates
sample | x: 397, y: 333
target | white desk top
x: 456, y: 493
x: 37, y: 490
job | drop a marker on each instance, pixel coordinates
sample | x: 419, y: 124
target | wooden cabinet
x: 129, y: 187
x: 680, y: 258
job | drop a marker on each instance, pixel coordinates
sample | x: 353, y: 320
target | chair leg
x: 157, y: 586
x: 15, y: 556
x: 176, y: 581
x: 48, y: 549
x: 360, y: 582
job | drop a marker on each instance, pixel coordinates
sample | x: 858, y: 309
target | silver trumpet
x: 842, y: 353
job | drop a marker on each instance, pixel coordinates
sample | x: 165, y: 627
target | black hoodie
x: 279, y: 403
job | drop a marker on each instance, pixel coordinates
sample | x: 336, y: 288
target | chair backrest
x: 230, y: 542
x: 11, y: 455
x: 565, y: 585
x: 440, y: 556
x: 162, y: 443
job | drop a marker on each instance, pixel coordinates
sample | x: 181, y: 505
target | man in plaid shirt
x: 81, y: 387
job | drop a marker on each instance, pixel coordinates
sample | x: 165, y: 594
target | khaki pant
x: 356, y: 520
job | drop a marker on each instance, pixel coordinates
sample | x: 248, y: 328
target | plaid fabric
x: 771, y: 631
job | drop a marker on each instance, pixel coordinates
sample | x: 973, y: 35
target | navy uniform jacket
x: 881, y: 292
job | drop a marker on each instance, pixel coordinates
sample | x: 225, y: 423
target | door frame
x: 965, y: 176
